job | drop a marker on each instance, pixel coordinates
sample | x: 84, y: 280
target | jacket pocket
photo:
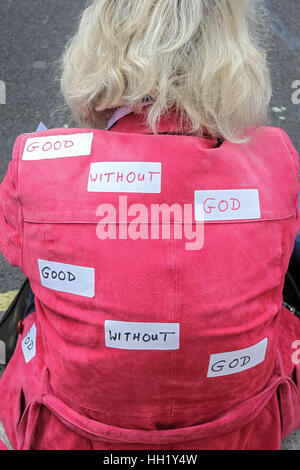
x: 27, y: 425
x: 289, y: 403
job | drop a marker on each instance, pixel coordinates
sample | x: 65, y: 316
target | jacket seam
x: 8, y: 239
x: 20, y: 218
x: 291, y: 152
x: 210, y: 222
x: 175, y: 310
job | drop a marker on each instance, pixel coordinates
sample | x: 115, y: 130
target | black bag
x: 9, y: 322
x: 291, y: 290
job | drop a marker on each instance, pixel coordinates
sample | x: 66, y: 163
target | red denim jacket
x: 143, y: 336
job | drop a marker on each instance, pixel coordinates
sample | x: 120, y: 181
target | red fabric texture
x: 76, y: 393
x: 3, y: 446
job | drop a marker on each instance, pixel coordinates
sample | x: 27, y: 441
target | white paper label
x: 28, y: 344
x: 63, y: 277
x: 237, y: 361
x: 2, y: 352
x: 125, y: 177
x: 233, y: 204
x: 58, y: 146
x: 138, y: 335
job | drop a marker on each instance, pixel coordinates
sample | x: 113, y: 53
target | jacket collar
x: 125, y: 120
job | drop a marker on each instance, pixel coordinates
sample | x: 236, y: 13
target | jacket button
x: 20, y: 327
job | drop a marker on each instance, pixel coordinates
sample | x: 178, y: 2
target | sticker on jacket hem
x: 125, y: 177
x: 58, y: 146
x: 139, y: 335
x: 237, y: 361
x: 28, y: 344
x: 78, y: 280
x: 233, y: 204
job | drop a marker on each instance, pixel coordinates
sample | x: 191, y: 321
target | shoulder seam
x: 20, y: 217
x: 291, y: 149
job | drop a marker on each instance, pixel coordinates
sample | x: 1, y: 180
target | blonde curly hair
x: 203, y: 58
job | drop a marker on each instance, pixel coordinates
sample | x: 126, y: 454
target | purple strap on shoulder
x: 118, y: 114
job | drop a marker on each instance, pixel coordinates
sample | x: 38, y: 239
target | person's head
x: 202, y: 58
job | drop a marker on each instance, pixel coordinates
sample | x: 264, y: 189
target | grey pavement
x: 4, y: 439
x: 32, y: 37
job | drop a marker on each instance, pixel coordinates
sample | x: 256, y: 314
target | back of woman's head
x: 203, y: 59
